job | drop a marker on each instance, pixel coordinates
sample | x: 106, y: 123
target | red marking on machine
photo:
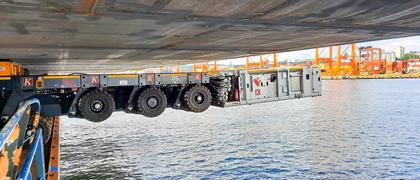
x: 197, y: 77
x: 68, y: 82
x: 257, y: 92
x: 94, y: 79
x: 27, y: 81
x: 150, y: 77
x: 236, y: 93
x: 257, y: 81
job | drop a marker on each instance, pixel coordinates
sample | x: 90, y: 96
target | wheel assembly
x: 46, y: 124
x: 96, y: 106
x: 152, y: 102
x: 197, y: 99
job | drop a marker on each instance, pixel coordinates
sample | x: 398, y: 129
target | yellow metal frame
x: 61, y: 77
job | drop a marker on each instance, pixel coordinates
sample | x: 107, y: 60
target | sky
x: 409, y: 43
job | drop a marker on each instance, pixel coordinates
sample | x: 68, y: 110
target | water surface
x: 358, y: 129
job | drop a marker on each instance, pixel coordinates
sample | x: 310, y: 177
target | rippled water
x: 358, y: 129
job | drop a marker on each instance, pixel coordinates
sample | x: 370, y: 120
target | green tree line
x: 410, y: 56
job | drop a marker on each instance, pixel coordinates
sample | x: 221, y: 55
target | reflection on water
x: 358, y: 129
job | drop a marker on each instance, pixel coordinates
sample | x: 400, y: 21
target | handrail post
x: 36, y: 153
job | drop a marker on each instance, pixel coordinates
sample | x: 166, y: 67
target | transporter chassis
x: 96, y: 96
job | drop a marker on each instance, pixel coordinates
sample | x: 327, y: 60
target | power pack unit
x: 10, y: 68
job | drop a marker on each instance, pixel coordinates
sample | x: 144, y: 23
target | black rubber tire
x: 158, y: 97
x: 46, y: 124
x: 104, y: 112
x: 192, y: 103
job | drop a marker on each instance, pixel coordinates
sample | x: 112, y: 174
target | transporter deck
x: 95, y: 96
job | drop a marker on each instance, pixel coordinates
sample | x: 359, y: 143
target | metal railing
x: 15, y: 134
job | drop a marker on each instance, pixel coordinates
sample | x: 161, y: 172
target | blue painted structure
x: 35, y: 155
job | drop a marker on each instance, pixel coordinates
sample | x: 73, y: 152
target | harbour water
x: 358, y: 129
